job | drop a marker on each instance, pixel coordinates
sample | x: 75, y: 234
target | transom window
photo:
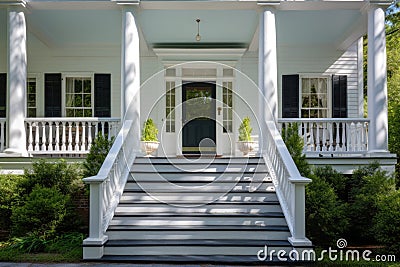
x: 78, y: 97
x: 314, y: 97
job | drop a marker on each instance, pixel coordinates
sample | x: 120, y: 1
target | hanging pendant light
x: 198, y: 37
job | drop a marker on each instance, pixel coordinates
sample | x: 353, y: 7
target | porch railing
x: 289, y: 184
x: 67, y: 135
x: 331, y: 136
x: 3, y: 134
x: 107, y: 186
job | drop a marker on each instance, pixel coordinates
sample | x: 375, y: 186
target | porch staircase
x: 197, y: 210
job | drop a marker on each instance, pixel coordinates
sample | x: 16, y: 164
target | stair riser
x: 198, y: 161
x: 199, y: 177
x: 188, y: 208
x: 198, y: 197
x: 200, y: 187
x: 237, y: 168
x: 188, y: 250
x: 203, y: 234
x: 193, y: 221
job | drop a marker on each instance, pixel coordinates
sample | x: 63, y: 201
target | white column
x: 377, y: 83
x: 130, y: 72
x: 17, y: 75
x: 267, y: 68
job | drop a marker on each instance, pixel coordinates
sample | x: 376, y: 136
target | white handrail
x: 107, y: 186
x: 66, y: 135
x: 331, y: 135
x: 3, y: 129
x: 289, y: 184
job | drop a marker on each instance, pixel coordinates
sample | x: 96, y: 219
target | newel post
x: 298, y: 238
x: 93, y: 246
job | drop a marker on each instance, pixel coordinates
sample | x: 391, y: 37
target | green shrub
x: 326, y: 218
x: 364, y: 203
x: 61, y: 175
x: 42, y: 212
x: 9, y: 195
x: 335, y: 179
x: 97, y: 155
x: 245, y: 130
x: 295, y: 144
x: 150, y: 131
x: 387, y: 222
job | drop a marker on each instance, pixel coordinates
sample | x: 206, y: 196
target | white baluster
x: 338, y: 147
x: 37, y: 136
x: 69, y: 136
x: 64, y: 139
x: 50, y: 148
x: 305, y: 127
x: 44, y: 136
x: 76, y: 136
x: 57, y: 146
x: 312, y: 143
x: 358, y: 136
x: 30, y: 137
x: 89, y: 135
x: 345, y: 132
x: 353, y: 136
x: 2, y: 136
x: 330, y: 129
x: 83, y: 140
x: 318, y: 148
x: 102, y: 128
x: 109, y: 131
x: 324, y: 143
x: 96, y: 131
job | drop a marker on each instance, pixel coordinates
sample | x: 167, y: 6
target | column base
x: 300, y: 242
x: 13, y: 152
x: 93, y: 248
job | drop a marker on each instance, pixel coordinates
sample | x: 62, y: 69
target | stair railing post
x: 94, y: 244
x: 298, y: 238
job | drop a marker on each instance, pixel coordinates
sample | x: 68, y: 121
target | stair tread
x: 198, y: 242
x: 200, y: 227
x: 199, y: 214
x: 194, y: 190
x: 155, y: 201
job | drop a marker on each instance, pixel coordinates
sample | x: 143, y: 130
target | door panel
x: 198, y: 117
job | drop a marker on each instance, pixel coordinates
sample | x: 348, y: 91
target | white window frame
x: 329, y: 91
x: 172, y: 121
x: 64, y: 77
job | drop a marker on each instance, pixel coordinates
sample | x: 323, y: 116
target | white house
x: 71, y: 69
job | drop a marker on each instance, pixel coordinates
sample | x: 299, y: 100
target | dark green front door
x: 198, y: 115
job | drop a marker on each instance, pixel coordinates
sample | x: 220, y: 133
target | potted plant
x: 245, y: 143
x: 149, y: 140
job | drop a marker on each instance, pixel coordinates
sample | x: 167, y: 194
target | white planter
x: 148, y: 147
x: 246, y: 146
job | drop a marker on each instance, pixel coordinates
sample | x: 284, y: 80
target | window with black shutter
x: 52, y: 94
x: 290, y: 96
x: 102, y: 95
x: 339, y: 96
x: 3, y: 95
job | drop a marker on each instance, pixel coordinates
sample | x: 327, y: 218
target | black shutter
x: 52, y: 95
x: 3, y: 95
x: 102, y: 95
x: 290, y: 96
x: 339, y: 96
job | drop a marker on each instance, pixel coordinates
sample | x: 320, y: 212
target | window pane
x: 78, y: 101
x: 69, y: 100
x: 70, y: 113
x: 88, y: 101
x: 78, y: 86
x: 88, y: 113
x: 87, y: 87
x: 79, y: 113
